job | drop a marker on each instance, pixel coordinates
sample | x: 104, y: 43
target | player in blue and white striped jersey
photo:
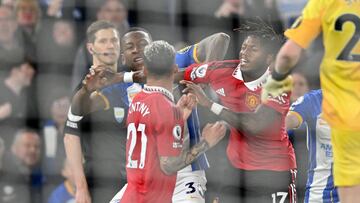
x: 320, y: 184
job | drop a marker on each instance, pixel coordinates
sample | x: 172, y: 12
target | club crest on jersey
x: 252, y: 100
x: 199, y: 72
x: 119, y: 114
x: 177, y: 137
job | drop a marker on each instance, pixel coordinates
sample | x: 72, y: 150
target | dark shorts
x: 258, y: 186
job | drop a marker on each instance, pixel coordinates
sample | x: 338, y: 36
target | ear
x: 89, y: 47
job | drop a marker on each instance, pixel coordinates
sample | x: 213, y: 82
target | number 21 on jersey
x: 132, y: 134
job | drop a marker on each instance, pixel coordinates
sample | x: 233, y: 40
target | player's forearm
x: 171, y: 165
x: 74, y: 156
x: 287, y: 57
x: 213, y: 48
x: 81, y: 102
x: 250, y: 122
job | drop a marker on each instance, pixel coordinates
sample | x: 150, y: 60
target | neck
x: 162, y: 82
x: 248, y: 77
x: 14, y: 86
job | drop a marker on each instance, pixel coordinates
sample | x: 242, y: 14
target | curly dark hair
x: 269, y: 38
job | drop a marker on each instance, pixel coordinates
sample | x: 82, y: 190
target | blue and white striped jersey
x: 320, y: 184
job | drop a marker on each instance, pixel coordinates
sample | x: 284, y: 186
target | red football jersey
x: 270, y: 149
x: 155, y: 129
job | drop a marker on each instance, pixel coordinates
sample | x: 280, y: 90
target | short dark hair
x: 96, y: 26
x: 138, y: 29
x: 159, y: 58
x: 262, y: 30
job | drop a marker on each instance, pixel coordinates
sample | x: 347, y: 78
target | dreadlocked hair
x: 269, y: 38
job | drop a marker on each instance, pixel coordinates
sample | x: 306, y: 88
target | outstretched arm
x: 87, y: 99
x: 287, y: 57
x: 211, y: 135
x: 250, y: 122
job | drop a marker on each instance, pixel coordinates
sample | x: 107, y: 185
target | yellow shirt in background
x: 339, y: 21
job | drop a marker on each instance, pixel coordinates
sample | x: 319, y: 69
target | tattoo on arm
x: 171, y: 165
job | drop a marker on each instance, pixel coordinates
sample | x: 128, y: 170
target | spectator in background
x: 64, y: 193
x: 21, y: 179
x: 110, y: 10
x: 28, y: 17
x: 54, y: 152
x: 14, y: 101
x: 12, y: 42
x: 55, y: 55
x: 300, y: 86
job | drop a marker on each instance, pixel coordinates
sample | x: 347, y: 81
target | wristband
x: 216, y: 108
x: 277, y: 76
x: 128, y: 77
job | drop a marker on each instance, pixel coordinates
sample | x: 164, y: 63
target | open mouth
x: 244, y: 61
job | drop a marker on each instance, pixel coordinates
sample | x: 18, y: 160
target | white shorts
x: 190, y: 186
x: 119, y: 195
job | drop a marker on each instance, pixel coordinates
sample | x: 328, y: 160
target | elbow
x: 223, y: 40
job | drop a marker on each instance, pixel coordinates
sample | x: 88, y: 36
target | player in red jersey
x: 259, y: 148
x: 155, y: 131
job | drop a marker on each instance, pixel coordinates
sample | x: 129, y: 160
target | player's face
x: 252, y: 56
x: 133, y: 44
x: 106, y: 47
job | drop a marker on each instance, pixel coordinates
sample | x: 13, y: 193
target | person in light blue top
x: 320, y: 184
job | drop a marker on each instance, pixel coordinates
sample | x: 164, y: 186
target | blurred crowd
x: 43, y: 57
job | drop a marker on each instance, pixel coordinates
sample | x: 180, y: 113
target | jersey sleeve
x: 73, y: 124
x: 280, y: 103
x: 307, y: 106
x: 308, y: 26
x: 210, y: 72
x: 114, y: 95
x: 169, y: 131
x: 187, y: 56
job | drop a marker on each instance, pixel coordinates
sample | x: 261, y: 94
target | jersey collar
x: 252, y: 85
x: 167, y: 93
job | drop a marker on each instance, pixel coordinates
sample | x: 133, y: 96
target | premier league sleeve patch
x: 119, y: 114
x: 199, y: 72
x: 177, y: 137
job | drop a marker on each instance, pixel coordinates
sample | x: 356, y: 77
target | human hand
x: 98, y: 77
x: 213, y: 133
x: 186, y: 103
x: 139, y: 77
x: 275, y: 88
x: 198, y: 92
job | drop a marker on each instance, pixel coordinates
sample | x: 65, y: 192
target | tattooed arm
x: 211, y: 135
